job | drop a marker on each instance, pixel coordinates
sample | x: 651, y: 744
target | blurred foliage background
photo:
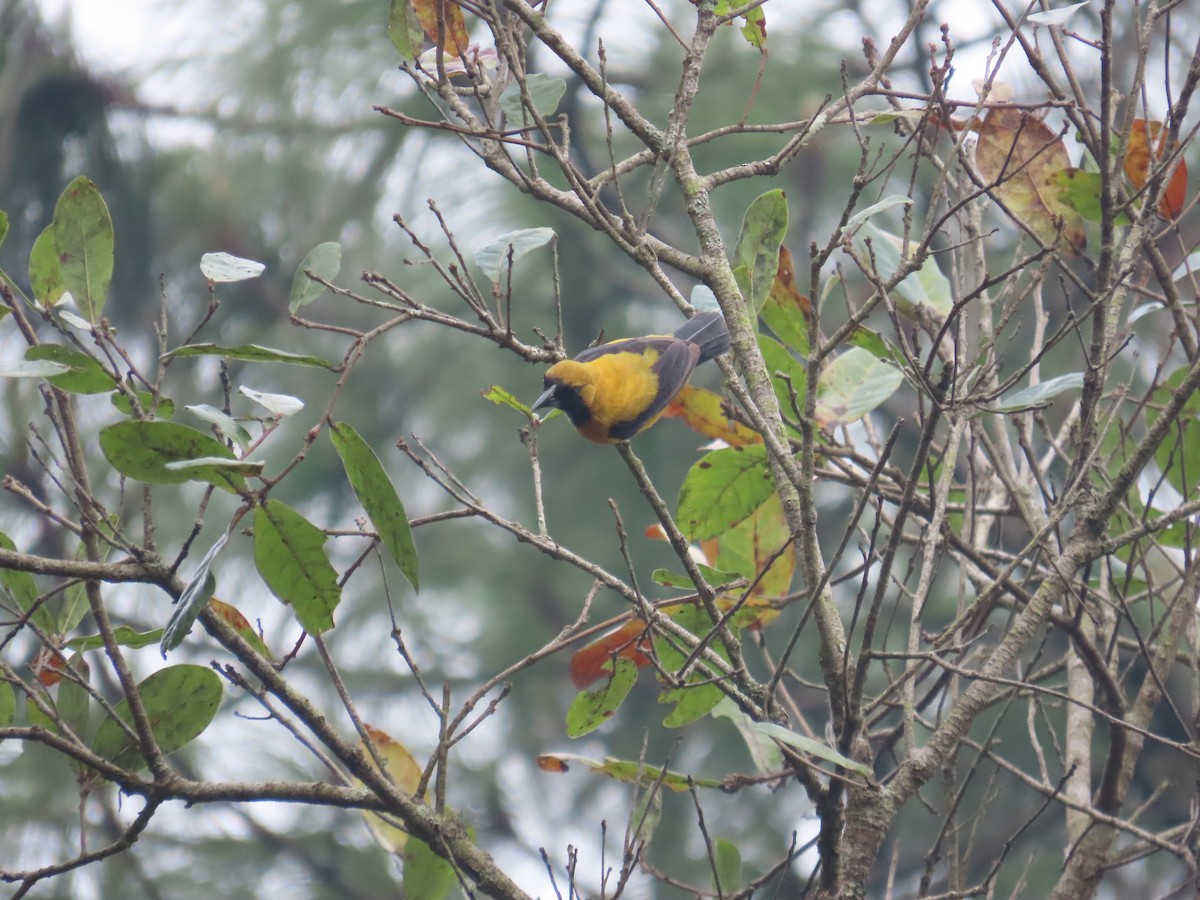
x: 252, y: 132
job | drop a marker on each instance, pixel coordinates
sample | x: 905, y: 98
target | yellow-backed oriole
x: 616, y: 390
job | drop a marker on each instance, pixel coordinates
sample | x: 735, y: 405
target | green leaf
x: 629, y: 771
x: 889, y: 116
x: 695, y: 620
x: 73, y: 702
x: 746, y: 548
x: 3, y: 226
x: 722, y: 489
x: 8, y: 699
x: 224, y: 423
x: 75, y: 600
x: 215, y: 468
x: 501, y: 397
x: 378, y: 496
x: 86, y: 375
x: 83, y: 240
x: 38, y: 369
x: 124, y: 635
x: 404, y: 29
x: 160, y: 407
x: 727, y: 867
x: 426, y: 874
x: 1178, y: 456
x: 644, y: 813
x: 784, y: 310
x: 544, y: 90
x: 667, y: 578
x: 21, y: 587
x: 754, y: 28
x: 180, y: 702
x: 692, y: 701
x: 75, y: 606
x: 239, y: 624
x: 193, y: 600
x: 874, y: 343
x: 492, y: 258
x: 886, y: 203
x: 289, y: 552
x: 325, y: 261
x: 251, y: 353
x: 1038, y: 395
x: 779, y: 360
x: 591, y: 709
x: 763, y: 229
x: 1080, y: 191
x: 853, y: 385
x: 927, y: 286
x: 811, y: 747
x: 37, y: 717
x: 144, y: 450
x: 45, y: 274
x: 764, y: 751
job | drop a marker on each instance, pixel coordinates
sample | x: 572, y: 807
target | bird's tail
x: 707, y: 330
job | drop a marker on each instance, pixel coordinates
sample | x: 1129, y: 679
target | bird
x: 619, y: 389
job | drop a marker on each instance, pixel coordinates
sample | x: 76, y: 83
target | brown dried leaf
x: 702, y: 411
x: 48, y: 666
x: 404, y: 771
x: 630, y: 642
x: 1137, y: 166
x: 456, y: 27
x: 1019, y: 156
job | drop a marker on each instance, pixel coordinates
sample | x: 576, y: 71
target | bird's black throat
x: 568, y: 399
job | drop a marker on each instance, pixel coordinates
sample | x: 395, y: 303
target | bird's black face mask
x: 564, y: 397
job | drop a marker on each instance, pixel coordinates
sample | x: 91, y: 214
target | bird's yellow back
x: 616, y: 387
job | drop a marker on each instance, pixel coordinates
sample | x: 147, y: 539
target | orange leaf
x: 456, y: 28
x: 655, y: 532
x: 787, y: 310
x: 48, y: 666
x: 628, y: 642
x: 400, y: 763
x: 548, y: 762
x: 1137, y: 166
x: 702, y: 411
x: 1019, y: 156
x: 239, y: 624
x: 756, y: 613
x: 785, y: 282
x: 405, y: 773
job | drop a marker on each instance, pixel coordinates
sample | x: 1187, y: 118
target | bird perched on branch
x: 619, y: 389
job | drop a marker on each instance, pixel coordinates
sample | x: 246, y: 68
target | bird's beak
x: 547, y: 399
